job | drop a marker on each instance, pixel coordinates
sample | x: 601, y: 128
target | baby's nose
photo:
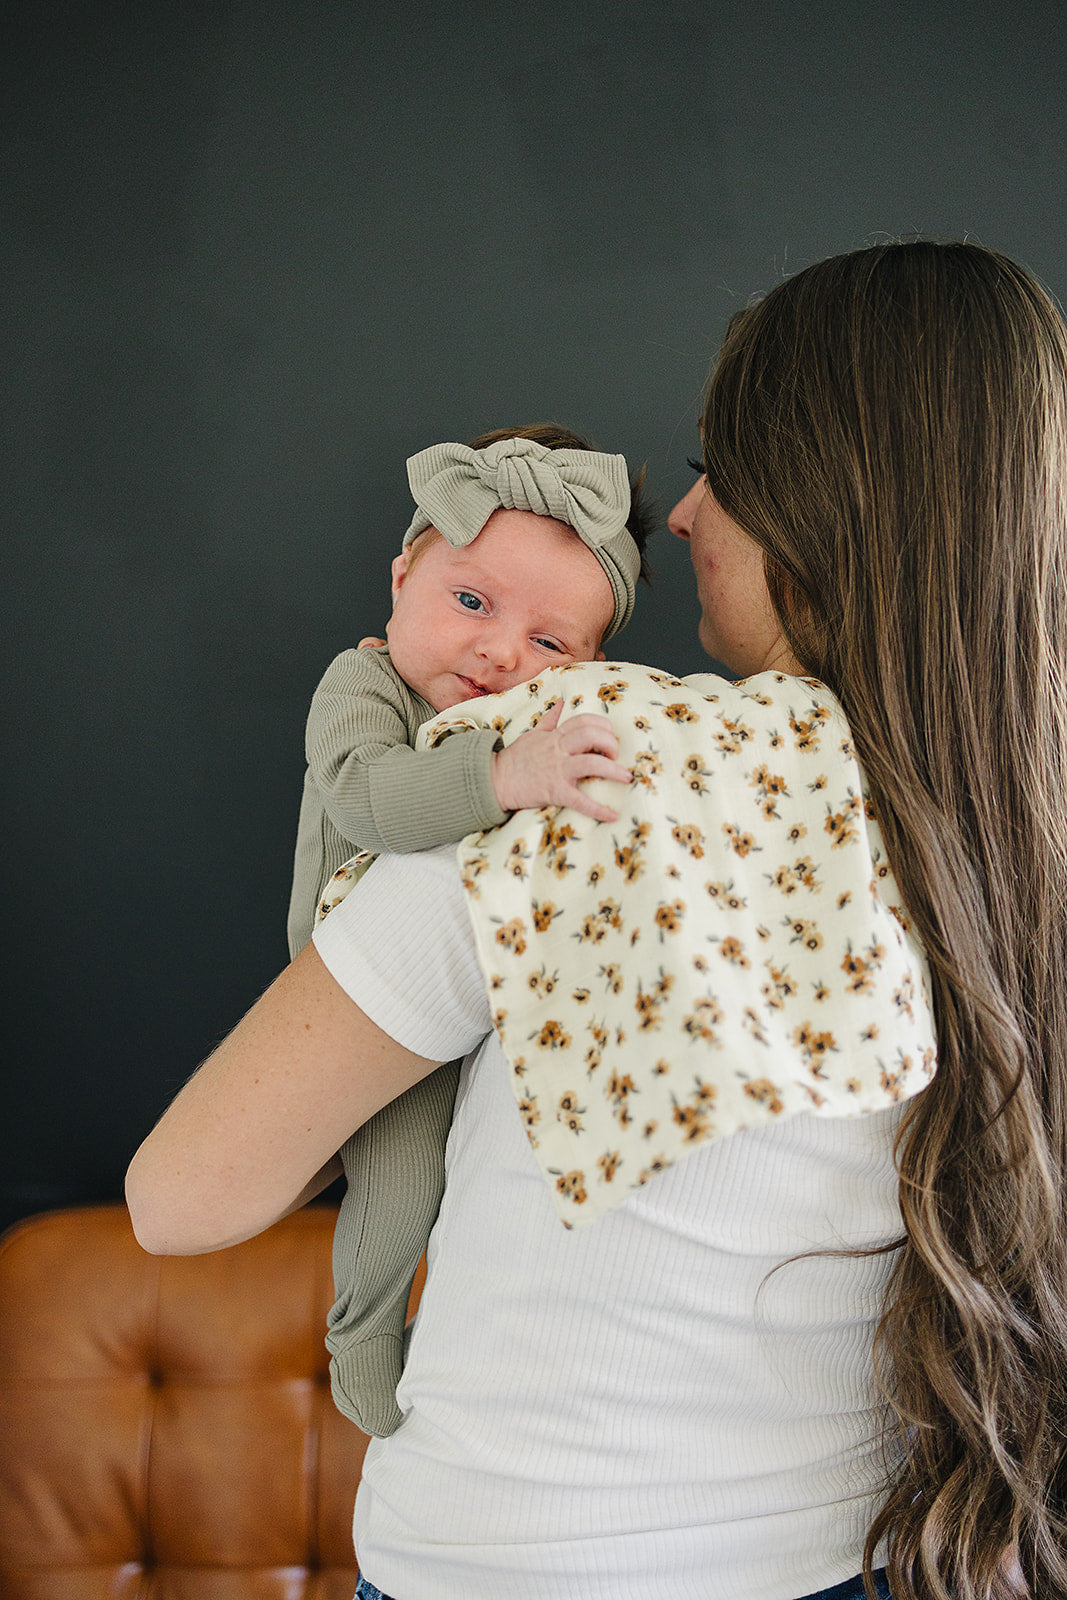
x: 502, y: 649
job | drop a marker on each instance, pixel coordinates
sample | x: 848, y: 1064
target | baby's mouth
x: 473, y: 689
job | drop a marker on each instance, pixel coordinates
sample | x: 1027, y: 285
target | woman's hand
x: 545, y: 766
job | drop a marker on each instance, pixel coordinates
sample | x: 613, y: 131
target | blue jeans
x: 367, y: 1591
x: 851, y: 1590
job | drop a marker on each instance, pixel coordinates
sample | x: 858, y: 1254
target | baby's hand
x: 545, y: 766
x: 369, y: 643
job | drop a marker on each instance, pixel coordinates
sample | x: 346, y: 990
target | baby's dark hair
x: 642, y: 519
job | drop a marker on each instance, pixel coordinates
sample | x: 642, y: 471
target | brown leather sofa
x: 166, y: 1427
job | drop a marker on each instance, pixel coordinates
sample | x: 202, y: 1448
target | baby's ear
x: 600, y: 656
x: 399, y: 570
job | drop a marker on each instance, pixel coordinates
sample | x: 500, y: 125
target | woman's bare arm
x: 257, y: 1126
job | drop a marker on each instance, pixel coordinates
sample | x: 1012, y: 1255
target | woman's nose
x: 680, y: 521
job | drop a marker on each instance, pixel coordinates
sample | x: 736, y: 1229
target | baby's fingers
x: 594, y: 766
x: 589, y: 732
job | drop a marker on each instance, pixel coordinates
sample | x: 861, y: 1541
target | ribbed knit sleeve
x: 376, y: 790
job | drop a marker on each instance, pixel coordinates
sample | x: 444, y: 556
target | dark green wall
x: 255, y: 254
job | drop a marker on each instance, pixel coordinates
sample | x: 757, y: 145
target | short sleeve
x: 402, y: 947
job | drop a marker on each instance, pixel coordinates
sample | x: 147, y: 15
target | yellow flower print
x: 680, y: 712
x: 669, y: 916
x: 665, y: 680
x: 512, y: 935
x: 580, y: 996
x: 662, y: 1068
x: 781, y: 988
x: 570, y: 1113
x: 805, y: 933
x: 629, y: 856
x: 595, y: 874
x: 731, y: 736
x: 609, y: 1164
x: 572, y: 1184
x: 611, y: 693
x: 702, y: 1021
x: 869, y: 1033
x: 800, y: 875
x: 553, y: 1036
x: 764, y: 1091
x: 841, y: 825
x: 612, y: 976
x: 770, y: 788
x: 806, y: 731
x: 657, y: 1164
x: 535, y: 686
x: 752, y: 1024
x: 531, y: 1116
x: 860, y: 970
x: 903, y: 997
x: 740, y: 843
x: 649, y: 1128
x: 518, y: 1066
x: 554, y: 843
x: 517, y: 857
x: 818, y: 784
x: 724, y: 895
x: 642, y: 724
x: 544, y: 913
x: 620, y: 1087
x: 813, y: 1046
x: 689, y: 836
x: 542, y: 983
x: 499, y: 1019
x: 797, y: 832
x: 646, y: 1005
x: 733, y: 951
x: 647, y: 765
x: 820, y: 992
x: 693, y: 1120
x: 694, y: 773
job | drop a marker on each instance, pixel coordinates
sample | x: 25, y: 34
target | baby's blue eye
x: 470, y: 601
x: 549, y: 644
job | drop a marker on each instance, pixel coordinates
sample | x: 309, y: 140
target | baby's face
x: 526, y: 594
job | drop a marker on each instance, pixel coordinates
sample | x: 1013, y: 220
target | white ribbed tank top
x: 643, y: 1409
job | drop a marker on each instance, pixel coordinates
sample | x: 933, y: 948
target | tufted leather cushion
x: 166, y: 1427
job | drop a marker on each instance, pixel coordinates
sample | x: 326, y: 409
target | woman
x: 681, y: 1399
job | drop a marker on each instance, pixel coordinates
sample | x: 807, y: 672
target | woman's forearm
x: 258, y: 1124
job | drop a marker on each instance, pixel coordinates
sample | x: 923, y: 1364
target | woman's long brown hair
x: 891, y: 427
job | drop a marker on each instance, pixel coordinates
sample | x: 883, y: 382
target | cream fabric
x: 457, y: 489
x: 732, y: 951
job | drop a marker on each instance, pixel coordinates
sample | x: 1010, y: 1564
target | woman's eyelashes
x: 697, y: 466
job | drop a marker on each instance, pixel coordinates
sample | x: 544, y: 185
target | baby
x: 523, y: 554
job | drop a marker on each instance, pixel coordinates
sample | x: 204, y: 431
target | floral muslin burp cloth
x: 732, y: 951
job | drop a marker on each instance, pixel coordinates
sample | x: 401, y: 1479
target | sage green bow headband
x: 457, y: 489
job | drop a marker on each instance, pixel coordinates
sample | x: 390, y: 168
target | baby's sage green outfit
x: 367, y: 789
